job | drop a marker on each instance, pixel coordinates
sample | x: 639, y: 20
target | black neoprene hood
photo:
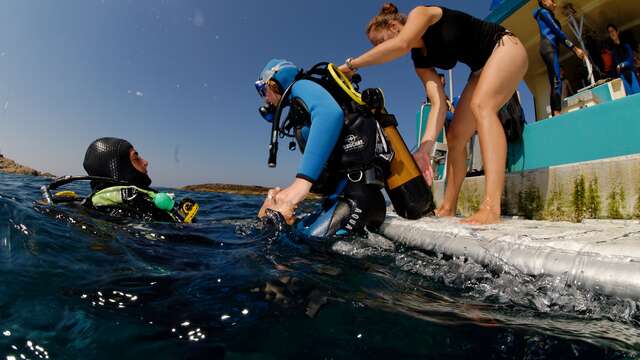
x: 109, y: 157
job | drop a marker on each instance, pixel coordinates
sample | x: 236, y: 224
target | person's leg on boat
x: 460, y: 131
x: 498, y: 81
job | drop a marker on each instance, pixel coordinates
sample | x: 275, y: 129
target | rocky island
x: 236, y: 189
x: 228, y: 188
x: 11, y: 167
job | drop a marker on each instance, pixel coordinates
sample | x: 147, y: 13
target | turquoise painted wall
x: 603, y: 131
x: 504, y: 10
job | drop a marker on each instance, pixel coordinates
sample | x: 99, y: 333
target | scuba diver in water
x: 551, y: 35
x: 351, y: 150
x: 120, y: 186
x: 623, y: 61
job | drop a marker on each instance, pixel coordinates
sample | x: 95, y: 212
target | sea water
x: 76, y: 287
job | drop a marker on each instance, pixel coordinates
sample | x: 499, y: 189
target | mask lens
x: 261, y: 87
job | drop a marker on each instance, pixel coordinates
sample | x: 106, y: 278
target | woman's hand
x: 346, y: 71
x: 422, y: 157
x: 579, y: 53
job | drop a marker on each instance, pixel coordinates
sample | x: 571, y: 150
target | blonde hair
x: 274, y: 87
x: 388, y: 13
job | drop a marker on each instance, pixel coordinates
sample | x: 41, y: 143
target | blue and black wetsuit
x: 551, y: 36
x: 350, y: 205
x: 623, y: 59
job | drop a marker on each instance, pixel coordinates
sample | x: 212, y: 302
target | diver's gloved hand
x: 284, y: 209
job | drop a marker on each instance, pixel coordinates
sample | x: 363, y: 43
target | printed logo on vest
x: 353, y: 143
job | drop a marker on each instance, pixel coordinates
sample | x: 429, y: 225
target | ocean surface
x: 73, y: 287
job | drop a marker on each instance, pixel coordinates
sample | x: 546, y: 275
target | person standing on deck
x: 623, y: 61
x: 438, y: 37
x: 551, y: 36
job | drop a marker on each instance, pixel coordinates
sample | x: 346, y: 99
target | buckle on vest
x: 360, y: 174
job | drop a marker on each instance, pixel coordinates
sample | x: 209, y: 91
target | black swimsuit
x: 458, y: 37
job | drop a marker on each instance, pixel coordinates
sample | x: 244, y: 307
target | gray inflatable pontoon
x: 602, y: 255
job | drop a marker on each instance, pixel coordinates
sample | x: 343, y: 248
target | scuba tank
x: 407, y: 188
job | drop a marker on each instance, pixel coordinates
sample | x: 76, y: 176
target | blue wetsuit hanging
x: 351, y: 206
x: 551, y: 36
x: 623, y: 60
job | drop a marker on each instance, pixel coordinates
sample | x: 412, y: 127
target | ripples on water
x: 74, y: 287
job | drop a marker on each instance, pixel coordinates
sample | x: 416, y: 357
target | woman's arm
x: 546, y: 17
x: 437, y: 98
x: 627, y: 62
x: 418, y: 21
x: 435, y: 122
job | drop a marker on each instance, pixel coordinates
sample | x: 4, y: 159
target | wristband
x: 569, y: 44
x: 350, y: 65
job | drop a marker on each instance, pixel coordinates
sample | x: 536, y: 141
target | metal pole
x: 451, y: 84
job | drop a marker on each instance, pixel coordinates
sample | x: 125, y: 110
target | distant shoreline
x: 236, y: 189
x: 9, y: 166
x: 229, y: 189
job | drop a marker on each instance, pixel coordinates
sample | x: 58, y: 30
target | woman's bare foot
x: 487, y: 214
x: 444, y: 211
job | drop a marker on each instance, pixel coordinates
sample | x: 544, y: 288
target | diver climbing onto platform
x: 347, y: 155
x: 438, y: 37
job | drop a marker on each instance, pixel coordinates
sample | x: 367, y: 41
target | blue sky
x: 176, y: 79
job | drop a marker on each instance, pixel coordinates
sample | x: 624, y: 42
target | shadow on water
x: 81, y: 287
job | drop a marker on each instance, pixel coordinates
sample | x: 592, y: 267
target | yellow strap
x: 190, y: 213
x: 66, y: 193
x: 343, y: 81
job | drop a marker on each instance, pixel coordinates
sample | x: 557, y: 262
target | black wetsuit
x: 458, y: 36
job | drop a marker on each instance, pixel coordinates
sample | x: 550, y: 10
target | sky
x: 175, y: 78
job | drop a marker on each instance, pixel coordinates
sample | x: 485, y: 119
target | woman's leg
x: 462, y: 128
x: 498, y: 81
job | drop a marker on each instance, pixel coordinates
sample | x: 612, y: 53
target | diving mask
x: 261, y: 87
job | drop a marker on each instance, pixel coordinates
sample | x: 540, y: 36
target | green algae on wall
x: 593, y: 204
x: 469, y: 200
x: 556, y: 207
x: 616, y: 202
x: 579, y: 200
x: 530, y: 202
x: 636, y: 210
